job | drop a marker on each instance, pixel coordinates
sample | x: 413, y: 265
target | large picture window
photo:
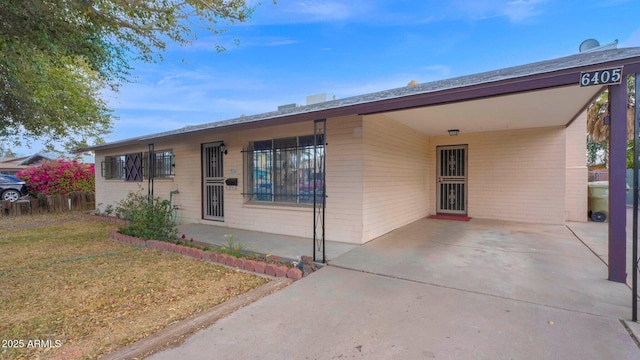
x: 282, y: 170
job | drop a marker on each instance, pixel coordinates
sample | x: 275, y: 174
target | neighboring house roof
x: 540, y: 75
x: 22, y: 163
x: 35, y: 159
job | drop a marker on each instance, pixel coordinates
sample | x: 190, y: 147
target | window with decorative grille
x: 113, y: 167
x: 164, y: 164
x: 133, y: 167
x: 282, y: 170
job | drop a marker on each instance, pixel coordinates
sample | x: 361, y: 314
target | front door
x: 212, y: 182
x: 452, y: 179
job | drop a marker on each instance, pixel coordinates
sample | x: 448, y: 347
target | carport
x: 542, y: 94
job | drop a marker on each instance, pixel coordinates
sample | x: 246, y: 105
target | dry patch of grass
x: 64, y: 282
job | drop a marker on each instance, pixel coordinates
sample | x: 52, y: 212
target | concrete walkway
x: 437, y: 290
x: 595, y: 236
x: 288, y: 247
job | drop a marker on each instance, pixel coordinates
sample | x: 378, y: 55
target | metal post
x: 636, y: 133
x: 618, y: 183
x: 151, y: 169
x: 319, y: 142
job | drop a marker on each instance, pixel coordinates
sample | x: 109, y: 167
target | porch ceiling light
x: 453, y: 132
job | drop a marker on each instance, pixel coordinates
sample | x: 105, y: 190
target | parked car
x: 12, y: 188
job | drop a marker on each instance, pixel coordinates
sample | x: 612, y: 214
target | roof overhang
x: 541, y: 108
x: 546, y: 93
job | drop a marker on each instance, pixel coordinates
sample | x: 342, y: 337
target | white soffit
x: 550, y: 107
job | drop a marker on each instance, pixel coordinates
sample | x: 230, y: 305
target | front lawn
x: 67, y: 291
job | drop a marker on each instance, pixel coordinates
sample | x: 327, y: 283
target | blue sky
x: 351, y: 47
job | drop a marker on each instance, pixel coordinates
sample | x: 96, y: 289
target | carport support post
x: 636, y: 183
x: 617, y: 182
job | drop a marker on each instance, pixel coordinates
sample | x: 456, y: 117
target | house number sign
x: 601, y: 77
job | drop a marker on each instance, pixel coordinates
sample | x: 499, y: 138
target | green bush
x: 151, y: 220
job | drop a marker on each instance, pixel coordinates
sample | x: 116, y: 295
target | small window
x: 163, y: 164
x: 133, y: 167
x: 113, y: 167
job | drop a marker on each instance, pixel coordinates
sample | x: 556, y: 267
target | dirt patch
x: 67, y: 286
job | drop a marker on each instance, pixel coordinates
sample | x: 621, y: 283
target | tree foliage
x: 598, y: 132
x: 598, y: 111
x: 56, y: 56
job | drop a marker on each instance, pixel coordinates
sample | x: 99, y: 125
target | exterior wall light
x: 453, y: 132
x: 223, y: 148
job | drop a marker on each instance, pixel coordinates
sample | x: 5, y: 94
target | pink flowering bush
x: 59, y: 177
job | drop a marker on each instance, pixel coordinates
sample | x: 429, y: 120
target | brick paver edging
x: 259, y: 267
x: 109, y: 219
x: 255, y: 266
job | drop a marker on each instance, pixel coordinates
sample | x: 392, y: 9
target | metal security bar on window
x: 281, y: 170
x: 113, y: 167
x: 133, y: 167
x: 164, y: 165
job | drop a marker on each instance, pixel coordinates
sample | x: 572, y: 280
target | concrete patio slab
x: 337, y: 313
x: 289, y: 247
x: 541, y: 264
x: 595, y: 235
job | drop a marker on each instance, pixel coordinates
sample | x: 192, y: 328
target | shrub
x: 150, y: 220
x: 59, y: 177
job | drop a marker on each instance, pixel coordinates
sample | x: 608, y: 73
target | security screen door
x: 452, y: 180
x: 213, y: 182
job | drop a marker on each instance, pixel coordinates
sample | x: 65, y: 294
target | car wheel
x: 10, y: 195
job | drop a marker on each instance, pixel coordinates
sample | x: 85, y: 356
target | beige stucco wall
x: 343, y: 216
x: 382, y: 175
x: 576, y: 171
x: 516, y: 175
x: 395, y: 176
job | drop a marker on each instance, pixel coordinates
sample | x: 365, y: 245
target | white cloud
x: 393, y: 13
x: 310, y: 11
x: 322, y: 10
x: 514, y: 10
x: 519, y: 10
x: 211, y: 43
x: 436, y: 72
x: 633, y: 40
x: 182, y: 91
x: 422, y: 75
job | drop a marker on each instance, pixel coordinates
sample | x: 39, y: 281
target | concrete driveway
x: 438, y: 290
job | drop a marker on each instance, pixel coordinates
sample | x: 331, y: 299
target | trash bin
x: 599, y: 200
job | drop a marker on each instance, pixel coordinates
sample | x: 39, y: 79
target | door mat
x: 449, y: 217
